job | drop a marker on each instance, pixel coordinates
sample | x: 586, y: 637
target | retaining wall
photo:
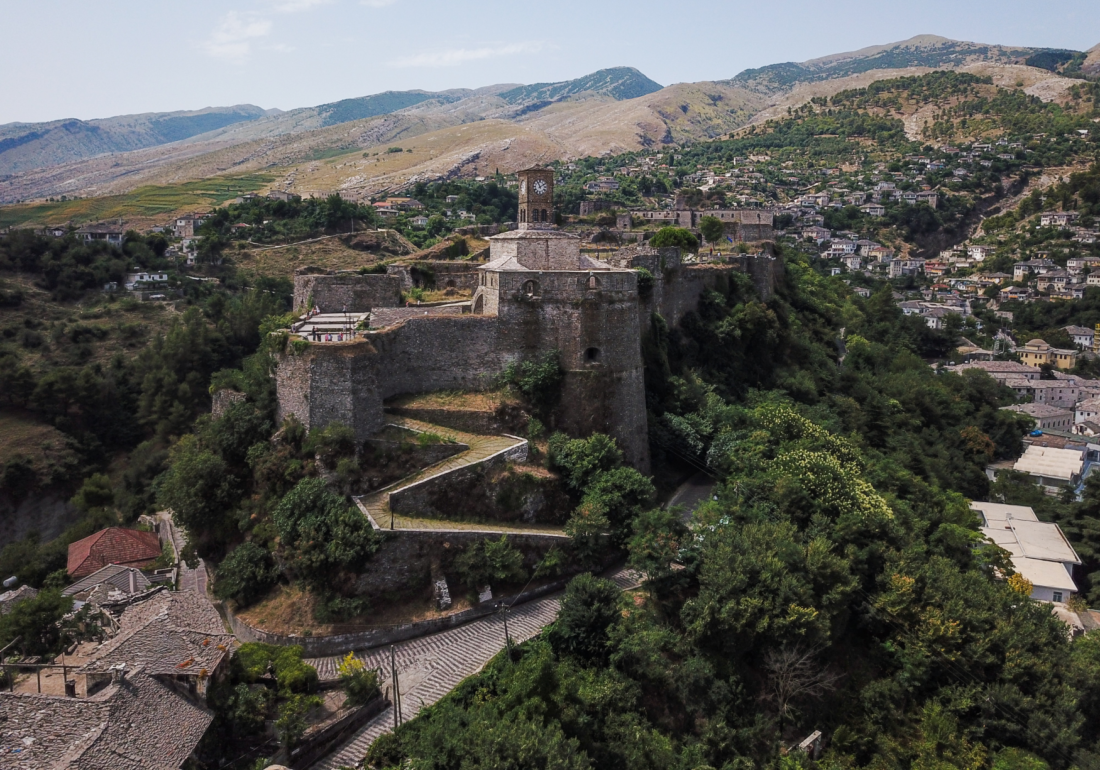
x: 418, y: 498
x: 322, y: 646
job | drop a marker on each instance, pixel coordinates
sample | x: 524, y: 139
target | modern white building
x: 1050, y: 467
x: 1039, y: 550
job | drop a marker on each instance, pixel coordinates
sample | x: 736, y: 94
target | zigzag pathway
x: 376, y: 505
x: 430, y: 667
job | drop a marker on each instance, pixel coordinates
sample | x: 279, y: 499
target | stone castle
x: 537, y: 294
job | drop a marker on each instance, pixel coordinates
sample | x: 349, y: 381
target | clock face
x: 540, y: 187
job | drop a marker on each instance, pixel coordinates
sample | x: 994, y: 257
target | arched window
x: 544, y: 217
x: 479, y: 305
x: 592, y: 354
x: 531, y: 288
x: 522, y: 216
x: 593, y: 282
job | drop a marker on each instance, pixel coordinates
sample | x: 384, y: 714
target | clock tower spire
x: 536, y: 199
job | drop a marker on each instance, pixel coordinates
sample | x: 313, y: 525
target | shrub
x: 581, y: 459
x: 247, y: 573
x: 292, y: 674
x: 538, y: 381
x: 96, y: 492
x: 588, y: 609
x: 331, y: 443
x: 620, y: 495
x: 490, y: 561
x: 358, y: 682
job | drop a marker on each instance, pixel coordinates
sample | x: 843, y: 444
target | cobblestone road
x: 430, y: 667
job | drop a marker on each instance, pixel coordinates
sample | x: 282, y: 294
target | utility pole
x: 503, y: 608
x: 396, y: 703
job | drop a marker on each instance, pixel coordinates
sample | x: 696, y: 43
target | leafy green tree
x: 247, y: 573
x: 659, y: 535
x: 37, y: 623
x: 582, y: 459
x: 619, y: 495
x: 96, y: 492
x: 675, y: 236
x: 197, y: 488
x: 291, y: 724
x: 321, y: 535
x: 588, y: 609
x: 712, y: 228
x: 254, y: 659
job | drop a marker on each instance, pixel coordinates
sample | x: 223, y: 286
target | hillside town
x: 767, y: 438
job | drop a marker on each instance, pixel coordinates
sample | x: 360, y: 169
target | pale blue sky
x: 98, y: 58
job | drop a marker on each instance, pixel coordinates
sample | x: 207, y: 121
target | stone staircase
x: 376, y: 505
x: 430, y: 667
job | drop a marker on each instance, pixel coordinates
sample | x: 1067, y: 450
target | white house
x: 1057, y: 218
x: 1046, y: 416
x: 132, y: 279
x: 1038, y: 550
x: 1082, y: 336
x: 1087, y: 411
x: 979, y: 253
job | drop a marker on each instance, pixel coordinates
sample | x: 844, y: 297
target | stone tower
x: 536, y: 198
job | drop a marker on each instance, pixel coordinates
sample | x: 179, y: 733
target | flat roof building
x: 1039, y: 550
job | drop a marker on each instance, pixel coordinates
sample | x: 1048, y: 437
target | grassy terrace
x: 143, y: 202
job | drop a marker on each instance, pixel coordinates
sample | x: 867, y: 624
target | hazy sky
x: 98, y: 58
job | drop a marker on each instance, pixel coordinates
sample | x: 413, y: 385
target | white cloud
x: 232, y: 38
x: 452, y: 57
x: 293, y: 6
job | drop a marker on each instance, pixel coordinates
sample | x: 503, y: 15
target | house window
x: 1057, y: 596
x: 531, y: 288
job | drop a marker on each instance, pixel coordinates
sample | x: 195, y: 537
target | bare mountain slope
x: 334, y: 146
x: 27, y: 146
x: 922, y: 51
x: 1091, y: 66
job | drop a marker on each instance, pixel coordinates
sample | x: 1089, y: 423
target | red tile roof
x: 112, y: 546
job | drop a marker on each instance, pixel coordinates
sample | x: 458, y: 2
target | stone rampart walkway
x: 376, y: 505
x: 430, y: 667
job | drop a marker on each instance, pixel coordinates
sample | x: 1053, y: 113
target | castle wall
x: 331, y: 383
x: 462, y: 276
x: 678, y: 291
x: 596, y: 331
x: 359, y: 293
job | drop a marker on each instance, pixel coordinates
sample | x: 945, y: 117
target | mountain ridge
x: 931, y: 51
x: 611, y: 110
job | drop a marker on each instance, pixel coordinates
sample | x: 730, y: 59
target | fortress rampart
x: 334, y: 292
x: 537, y: 294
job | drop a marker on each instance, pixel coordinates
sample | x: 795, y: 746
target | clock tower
x: 536, y: 199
